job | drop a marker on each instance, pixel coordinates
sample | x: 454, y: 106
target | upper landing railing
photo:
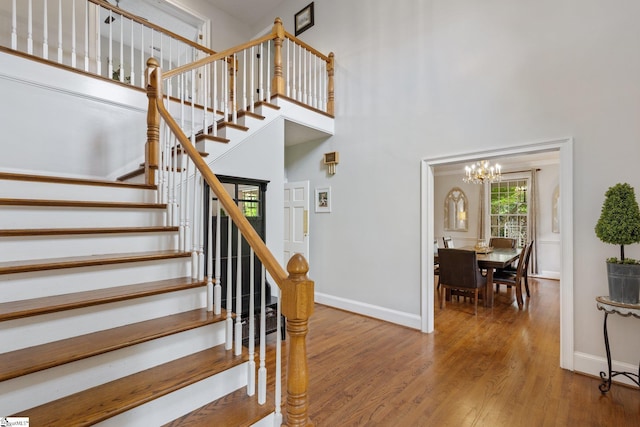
x: 95, y: 37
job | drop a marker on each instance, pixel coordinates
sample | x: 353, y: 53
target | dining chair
x: 527, y: 257
x: 502, y: 242
x: 508, y: 278
x: 448, y: 242
x: 436, y: 266
x: 459, y: 271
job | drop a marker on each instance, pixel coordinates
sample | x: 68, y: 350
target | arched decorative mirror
x: 455, y: 210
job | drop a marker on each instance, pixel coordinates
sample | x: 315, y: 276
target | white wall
x: 226, y: 31
x: 548, y: 243
x: 106, y: 137
x: 441, y: 77
x: 261, y: 156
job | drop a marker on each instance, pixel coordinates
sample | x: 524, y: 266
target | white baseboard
x: 593, y: 365
x: 554, y: 275
x: 382, y: 313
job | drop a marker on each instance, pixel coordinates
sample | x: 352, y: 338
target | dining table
x: 491, y: 260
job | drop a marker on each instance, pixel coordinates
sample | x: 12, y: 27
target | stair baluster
x: 217, y: 290
x: 251, y: 386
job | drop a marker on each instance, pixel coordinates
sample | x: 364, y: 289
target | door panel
x: 296, y: 215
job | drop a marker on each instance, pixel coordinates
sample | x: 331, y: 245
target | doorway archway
x: 565, y: 149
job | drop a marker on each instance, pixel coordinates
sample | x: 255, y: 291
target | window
x: 249, y: 201
x: 509, y: 210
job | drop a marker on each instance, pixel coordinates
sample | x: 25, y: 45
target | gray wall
x: 441, y: 77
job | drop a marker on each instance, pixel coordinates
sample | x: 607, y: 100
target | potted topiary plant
x: 619, y: 224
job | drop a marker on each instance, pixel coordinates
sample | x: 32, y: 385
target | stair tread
x: 69, y: 180
x: 107, y: 400
x: 232, y: 125
x: 250, y: 114
x: 97, y: 230
x: 33, y: 359
x: 80, y: 203
x: 234, y: 409
x: 132, y: 174
x: 21, y: 266
x: 51, y: 304
x: 203, y: 137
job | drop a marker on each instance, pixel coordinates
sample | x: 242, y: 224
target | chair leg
x: 518, y: 287
x: 526, y: 285
x: 443, y: 293
x: 475, y: 302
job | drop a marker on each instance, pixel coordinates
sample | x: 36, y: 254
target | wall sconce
x: 331, y: 159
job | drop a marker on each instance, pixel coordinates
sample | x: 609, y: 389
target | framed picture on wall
x: 323, y: 199
x: 304, y: 19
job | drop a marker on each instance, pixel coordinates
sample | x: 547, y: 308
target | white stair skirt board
x: 27, y: 332
x: 40, y: 387
x: 67, y: 280
x: 183, y: 401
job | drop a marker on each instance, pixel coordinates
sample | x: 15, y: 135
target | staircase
x: 101, y: 321
x: 105, y: 316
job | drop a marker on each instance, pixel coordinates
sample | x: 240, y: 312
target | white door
x: 296, y: 219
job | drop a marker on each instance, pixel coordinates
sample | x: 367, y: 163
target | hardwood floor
x: 499, y: 368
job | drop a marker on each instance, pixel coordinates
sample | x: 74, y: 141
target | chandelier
x: 482, y: 171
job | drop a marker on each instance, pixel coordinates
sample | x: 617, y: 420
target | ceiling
x: 246, y: 11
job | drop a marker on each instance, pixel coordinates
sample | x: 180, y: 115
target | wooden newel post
x: 330, y: 89
x: 278, y: 79
x: 297, y: 307
x: 151, y: 151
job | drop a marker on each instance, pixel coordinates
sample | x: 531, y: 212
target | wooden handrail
x: 306, y: 46
x: 154, y: 78
x: 106, y: 5
x: 214, y: 57
x: 228, y: 52
x: 297, y: 291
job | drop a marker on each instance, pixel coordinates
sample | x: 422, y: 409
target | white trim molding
x: 565, y: 147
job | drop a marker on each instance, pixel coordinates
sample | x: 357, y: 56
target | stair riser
x: 24, y: 217
x: 26, y: 332
x: 40, y: 247
x: 46, y: 190
x: 183, y: 401
x: 14, y: 287
x: 250, y: 122
x: 231, y: 133
x: 267, y: 112
x: 35, y: 389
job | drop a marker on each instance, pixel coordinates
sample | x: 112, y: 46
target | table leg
x: 488, y: 292
x: 606, y: 379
